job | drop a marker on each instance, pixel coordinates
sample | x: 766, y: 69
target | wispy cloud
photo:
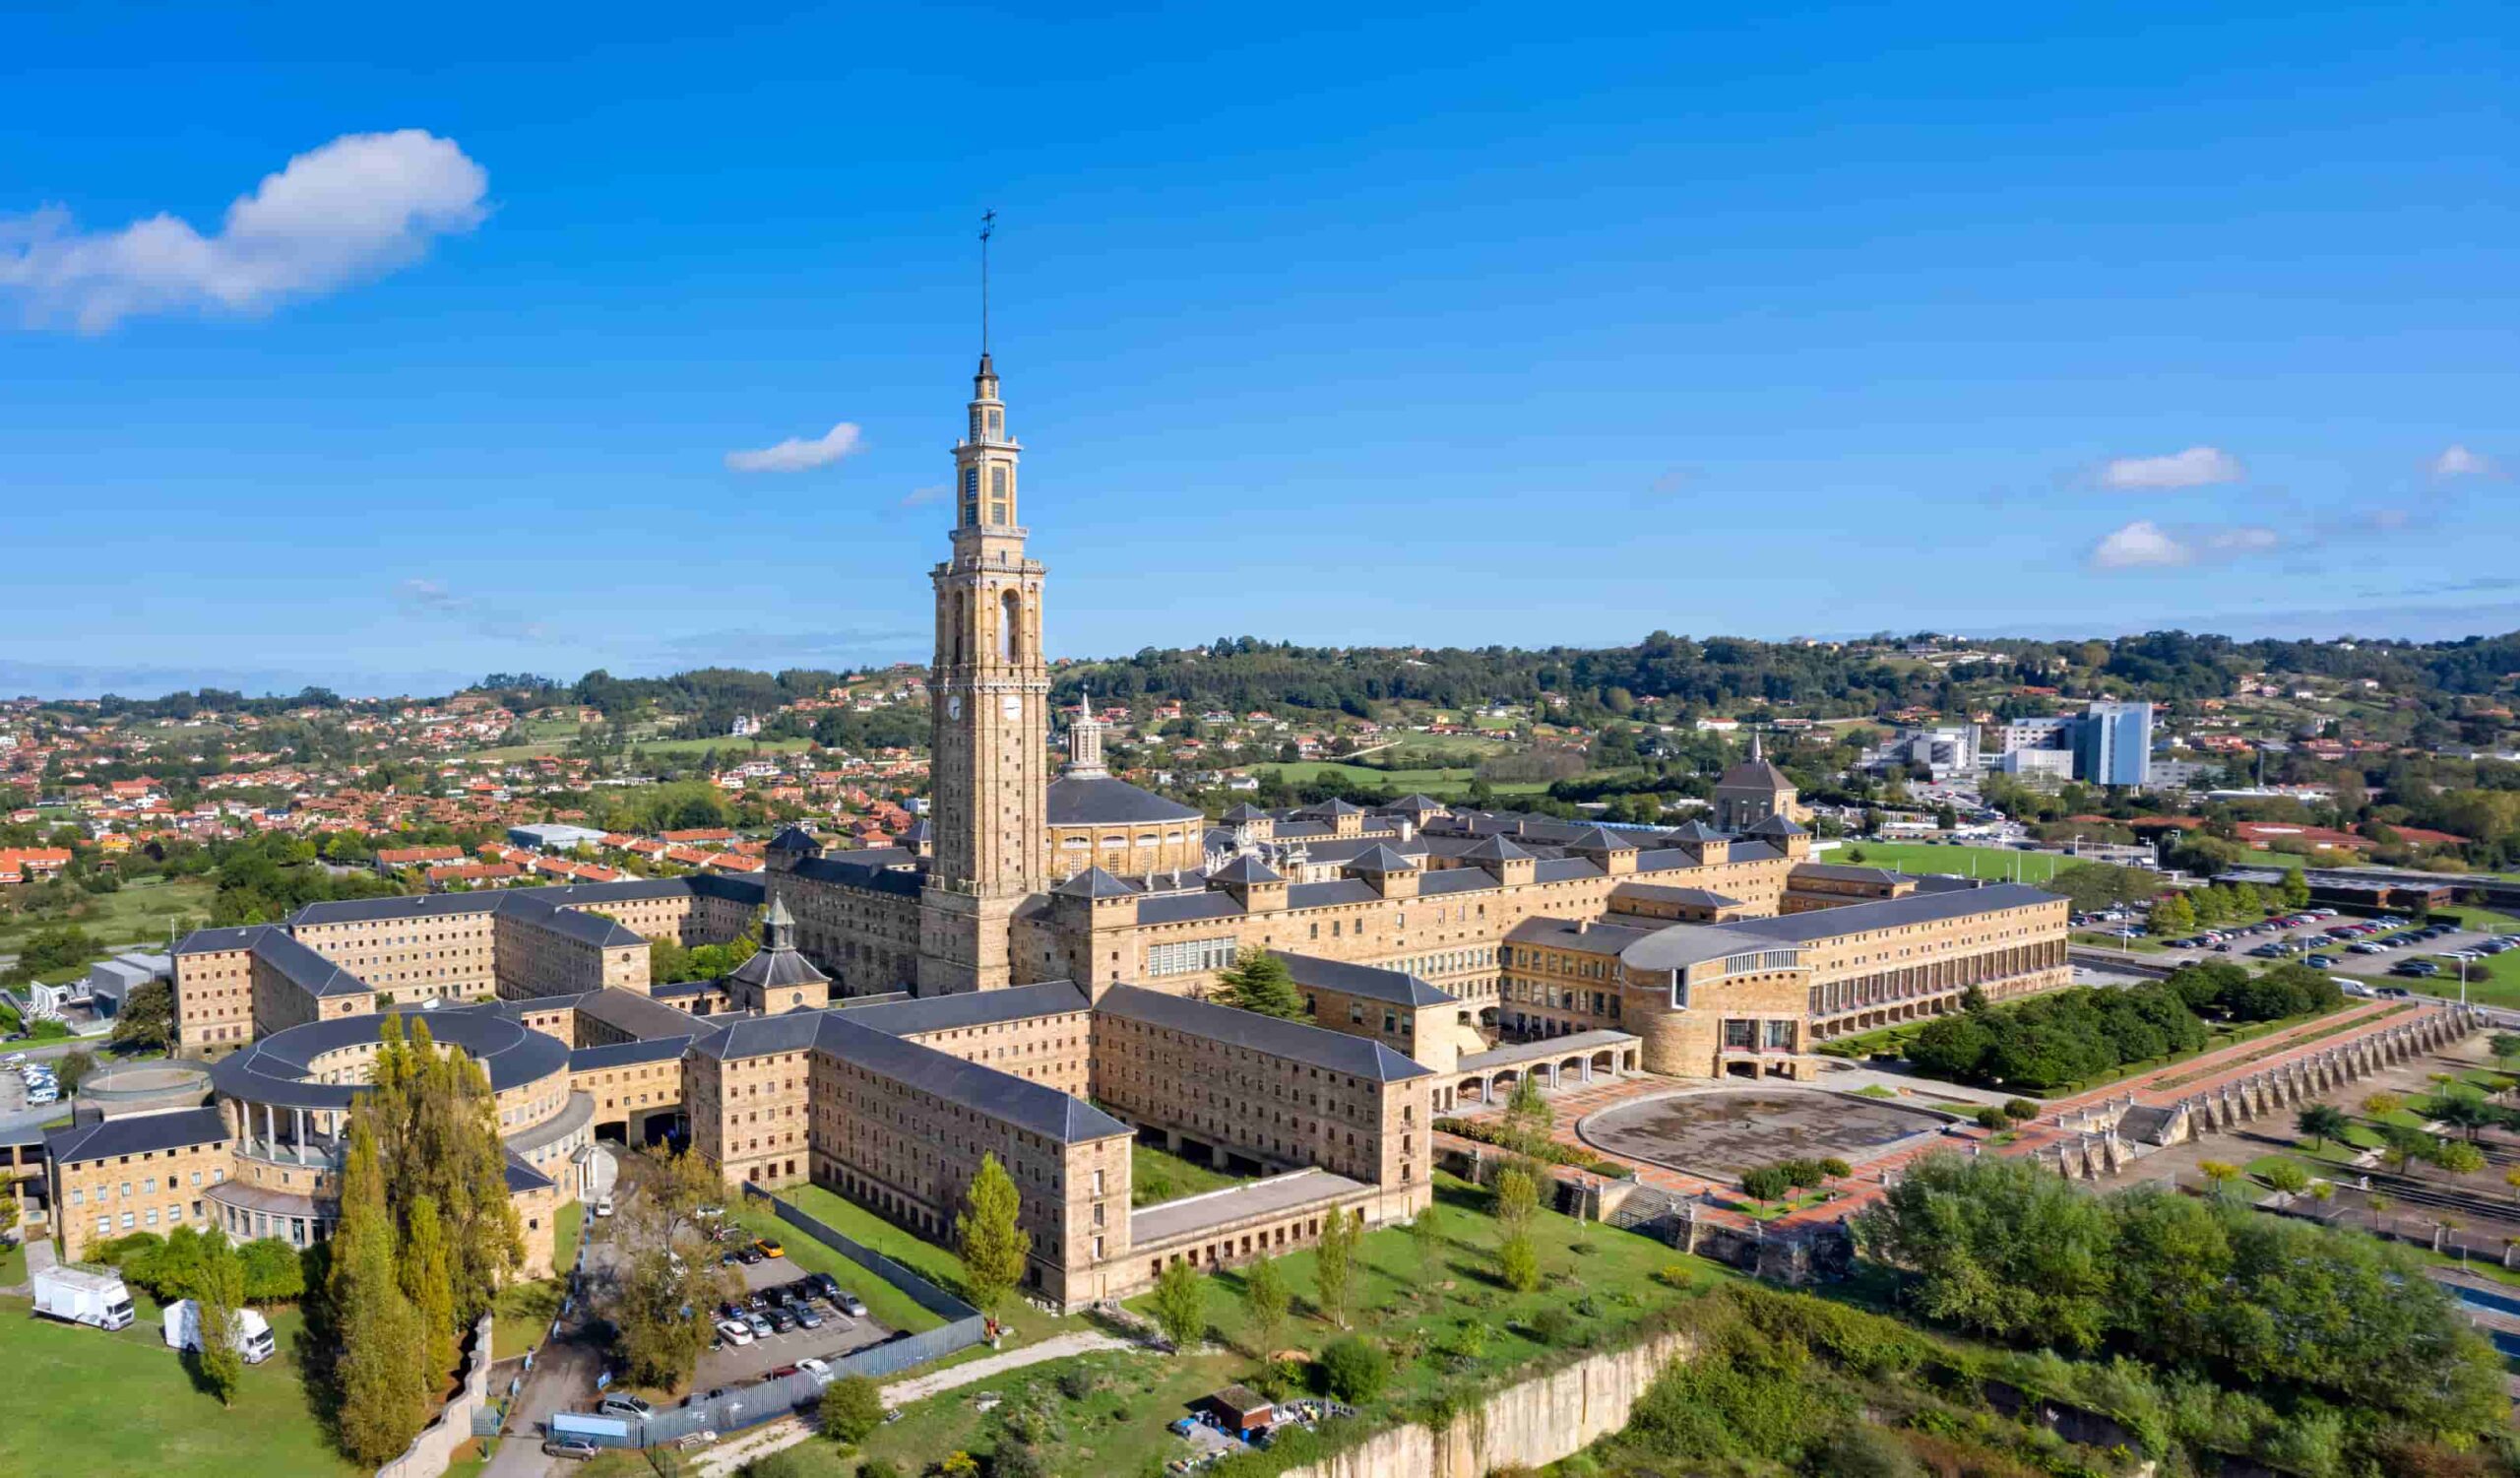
x: 798, y: 454
x: 434, y: 600
x: 357, y: 207
x: 753, y: 647
x: 2459, y: 462
x: 935, y: 493
x: 2196, y: 466
x: 2145, y: 544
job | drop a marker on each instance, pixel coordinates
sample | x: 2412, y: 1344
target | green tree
x: 381, y: 1391
x: 73, y: 1069
x: 1528, y: 1122
x: 2321, y: 1122
x: 1265, y: 1291
x: 2506, y: 1047
x: 1334, y: 1264
x: 2294, y: 889
x: 147, y: 1021
x: 217, y: 1292
x: 2221, y: 1173
x: 2171, y: 916
x: 1998, y: 1246
x: 1258, y: 981
x: 659, y: 1324
x: 1426, y: 1237
x: 1516, y: 1199
x: 1518, y: 1261
x: 428, y: 1282
x: 993, y: 1248
x: 1355, y: 1369
x: 1181, y: 1305
x: 2458, y: 1157
x: 2381, y: 1104
x: 853, y: 1408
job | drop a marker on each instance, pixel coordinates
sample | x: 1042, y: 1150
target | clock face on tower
x: 953, y: 705
x: 1011, y: 706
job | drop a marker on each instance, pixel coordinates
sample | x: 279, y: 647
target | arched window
x: 1010, y: 615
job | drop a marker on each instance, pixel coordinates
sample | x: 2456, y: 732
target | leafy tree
x: 2458, y: 1157
x: 993, y: 1248
x: 218, y: 1291
x: 147, y: 1022
x: 73, y: 1069
x: 2506, y: 1047
x: 1354, y: 1368
x: 1334, y: 1264
x: 1529, y: 1121
x: 1263, y: 1290
x: 2321, y: 1122
x: 381, y: 1390
x: 1516, y: 1199
x: 2294, y: 890
x: 2381, y: 1104
x: 2464, y: 1113
x: 1998, y: 1246
x: 428, y: 1282
x: 1426, y: 1236
x: 1181, y: 1305
x: 1259, y: 981
x: 658, y: 1323
x: 1518, y: 1261
x: 1771, y: 1183
x: 2172, y: 916
x: 2221, y: 1173
x: 275, y: 1272
x: 852, y: 1407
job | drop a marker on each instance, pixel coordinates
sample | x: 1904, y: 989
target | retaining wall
x: 431, y: 1451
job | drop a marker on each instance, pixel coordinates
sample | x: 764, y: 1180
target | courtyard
x: 1724, y: 1132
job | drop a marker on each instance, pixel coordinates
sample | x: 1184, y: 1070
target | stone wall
x: 431, y: 1451
x: 1537, y: 1421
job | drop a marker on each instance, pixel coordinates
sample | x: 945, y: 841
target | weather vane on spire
x: 988, y: 227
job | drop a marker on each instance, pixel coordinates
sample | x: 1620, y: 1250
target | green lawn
x: 889, y: 1305
x: 138, y: 913
x: 1430, y: 782
x: 13, y: 1265
x: 80, y: 1400
x: 1157, y: 1175
x: 1104, y: 1415
x: 524, y: 1310
x: 1968, y: 861
x: 686, y: 748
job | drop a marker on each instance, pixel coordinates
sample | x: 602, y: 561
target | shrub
x: 878, y: 1467
x: 853, y: 1408
x: 1768, y: 1183
x: 1552, y: 1325
x: 2020, y: 1109
x: 1992, y: 1118
x: 1859, y: 1451
x: 1836, y: 1169
x: 1354, y: 1370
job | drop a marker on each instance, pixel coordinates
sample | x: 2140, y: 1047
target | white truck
x: 252, y: 1335
x: 82, y: 1297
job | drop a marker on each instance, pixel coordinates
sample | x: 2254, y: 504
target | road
x: 566, y: 1370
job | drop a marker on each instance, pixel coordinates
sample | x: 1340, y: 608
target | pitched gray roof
x: 135, y: 1133
x: 795, y: 839
x: 1495, y: 849
x: 1598, y: 839
x: 1446, y: 880
x: 1101, y: 800
x: 630, y: 1054
x: 220, y: 940
x: 1892, y: 913
x: 1245, y: 869
x: 1578, y: 934
x: 769, y: 969
x: 1093, y: 882
x: 876, y: 870
x: 1294, y: 1040
x: 303, y: 968
x: 1324, y: 894
x: 1695, y: 831
x: 969, y: 1008
x: 1777, y: 825
x: 1563, y: 868
x: 1179, y: 908
x: 1034, y: 1107
x: 641, y: 1016
x: 1398, y: 987
x: 1380, y: 860
x: 1666, y: 892
x: 1754, y: 774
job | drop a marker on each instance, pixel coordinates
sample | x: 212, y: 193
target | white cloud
x: 2459, y: 462
x: 2141, y: 544
x: 2193, y: 468
x: 796, y: 454
x: 2145, y: 544
x: 935, y: 493
x: 359, y: 207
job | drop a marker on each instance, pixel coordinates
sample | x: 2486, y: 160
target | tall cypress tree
x: 993, y: 1246
x: 426, y: 1282
x: 377, y: 1369
x: 218, y: 1290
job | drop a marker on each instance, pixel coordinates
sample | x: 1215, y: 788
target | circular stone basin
x: 1724, y: 1132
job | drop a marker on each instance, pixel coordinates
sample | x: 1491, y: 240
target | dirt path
x: 727, y: 1458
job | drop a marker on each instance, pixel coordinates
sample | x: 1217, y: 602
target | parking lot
x: 839, y: 1334
x: 2376, y: 955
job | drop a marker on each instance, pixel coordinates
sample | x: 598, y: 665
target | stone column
x: 298, y: 1118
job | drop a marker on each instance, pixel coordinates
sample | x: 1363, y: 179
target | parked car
x: 603, y: 1207
x: 622, y: 1403
x: 850, y: 1303
x: 806, y: 1317
x: 769, y: 1246
x: 569, y: 1447
x: 781, y: 1321
x: 735, y: 1330
x: 816, y: 1368
x: 760, y: 1326
x: 748, y: 1255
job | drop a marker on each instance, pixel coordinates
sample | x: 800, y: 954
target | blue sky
x: 1337, y: 327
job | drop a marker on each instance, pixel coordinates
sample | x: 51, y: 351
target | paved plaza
x: 1727, y: 1130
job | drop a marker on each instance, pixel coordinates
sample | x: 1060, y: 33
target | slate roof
x: 1414, y: 806
x: 1564, y: 870
x: 218, y: 940
x: 795, y: 839
x: 1380, y: 860
x: 1666, y: 892
x: 1178, y: 908
x: 1598, y: 839
x: 878, y: 870
x: 1495, y: 849
x: 1844, y: 873
x: 1447, y: 880
x: 1245, y: 869
x: 1247, y: 812
x: 1101, y: 800
x: 303, y: 968
x: 631, y: 1053
x: 639, y: 1016
x: 1325, y: 894
x: 769, y: 969
x: 136, y: 1134
x: 1372, y: 982
x: 1777, y: 825
x: 1576, y: 933
x: 1294, y: 1040
x: 1695, y: 831
x: 1035, y: 1107
x: 969, y: 1008
x: 1892, y: 913
x: 1093, y: 882
x: 522, y: 1177
x: 1754, y: 774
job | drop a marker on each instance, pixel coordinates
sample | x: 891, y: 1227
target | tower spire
x: 988, y: 227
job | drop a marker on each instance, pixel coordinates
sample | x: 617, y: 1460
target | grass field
x: 139, y: 913
x: 1104, y: 1415
x: 889, y: 1305
x: 1968, y: 861
x: 687, y: 748
x: 1157, y: 1174
x: 80, y: 1400
x: 525, y: 1310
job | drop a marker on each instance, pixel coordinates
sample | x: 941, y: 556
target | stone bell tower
x: 990, y: 691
